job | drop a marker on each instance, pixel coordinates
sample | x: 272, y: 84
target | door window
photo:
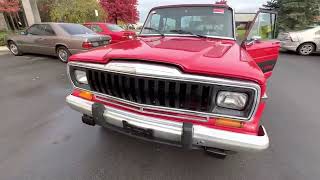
x: 47, y: 30
x: 96, y: 28
x: 318, y: 33
x: 35, y: 30
x: 264, y: 26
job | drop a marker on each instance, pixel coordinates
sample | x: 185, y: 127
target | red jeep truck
x: 185, y: 81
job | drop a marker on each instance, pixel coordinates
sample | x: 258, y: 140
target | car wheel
x: 306, y: 49
x: 63, y: 54
x: 14, y: 49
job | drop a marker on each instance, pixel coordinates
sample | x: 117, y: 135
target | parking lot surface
x: 42, y: 138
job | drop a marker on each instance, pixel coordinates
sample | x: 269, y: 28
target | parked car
x: 184, y: 81
x: 116, y: 32
x: 303, y: 42
x: 59, y: 39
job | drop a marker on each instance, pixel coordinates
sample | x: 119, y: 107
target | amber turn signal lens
x: 86, y: 95
x: 229, y: 123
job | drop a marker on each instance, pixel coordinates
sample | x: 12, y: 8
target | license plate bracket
x: 134, y: 130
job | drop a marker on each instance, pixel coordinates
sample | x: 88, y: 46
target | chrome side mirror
x: 253, y: 40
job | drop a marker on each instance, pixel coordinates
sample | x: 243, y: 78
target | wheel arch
x: 311, y: 42
x: 59, y: 45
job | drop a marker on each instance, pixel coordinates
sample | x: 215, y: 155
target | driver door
x: 261, y: 43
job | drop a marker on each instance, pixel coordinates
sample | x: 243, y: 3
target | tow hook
x: 88, y: 120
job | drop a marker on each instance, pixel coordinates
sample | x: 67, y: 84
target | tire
x: 63, y: 54
x: 306, y: 49
x: 14, y: 49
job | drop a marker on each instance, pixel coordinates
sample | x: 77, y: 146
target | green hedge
x: 3, y: 34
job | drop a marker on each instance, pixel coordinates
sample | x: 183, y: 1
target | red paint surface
x: 210, y: 57
x: 115, y: 36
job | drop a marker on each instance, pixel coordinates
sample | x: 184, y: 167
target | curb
x: 4, y: 48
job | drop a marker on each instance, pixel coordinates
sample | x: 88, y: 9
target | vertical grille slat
x: 156, y: 92
x: 166, y: 94
x: 147, y: 91
x: 177, y: 95
x: 137, y: 90
x: 188, y: 97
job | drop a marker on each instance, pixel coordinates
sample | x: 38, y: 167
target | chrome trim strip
x: 151, y: 70
x: 141, y: 109
x: 170, y: 130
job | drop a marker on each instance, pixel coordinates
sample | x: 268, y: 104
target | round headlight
x: 81, y: 76
x: 232, y: 100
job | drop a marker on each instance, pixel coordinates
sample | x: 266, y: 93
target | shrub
x: 3, y: 34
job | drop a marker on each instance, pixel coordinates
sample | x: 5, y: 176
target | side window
x: 47, y: 30
x: 264, y: 26
x: 169, y: 24
x: 318, y: 33
x: 35, y: 30
x: 88, y: 26
x: 96, y: 28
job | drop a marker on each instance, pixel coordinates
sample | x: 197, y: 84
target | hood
x: 214, y: 57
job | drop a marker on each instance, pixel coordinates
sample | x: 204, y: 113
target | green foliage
x: 295, y: 14
x: 76, y: 11
x: 3, y: 34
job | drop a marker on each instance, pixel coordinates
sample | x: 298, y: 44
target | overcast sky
x: 240, y: 5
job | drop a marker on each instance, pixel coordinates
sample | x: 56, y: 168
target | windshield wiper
x: 153, y: 29
x: 180, y: 31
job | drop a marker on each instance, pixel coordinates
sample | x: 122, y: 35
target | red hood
x: 214, y: 57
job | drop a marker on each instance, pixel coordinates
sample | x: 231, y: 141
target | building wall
x: 3, y: 24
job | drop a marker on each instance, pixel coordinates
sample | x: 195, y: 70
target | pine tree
x: 294, y: 14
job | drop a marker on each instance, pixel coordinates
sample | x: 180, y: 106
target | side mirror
x: 23, y: 33
x: 253, y: 40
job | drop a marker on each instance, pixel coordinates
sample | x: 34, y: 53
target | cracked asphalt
x: 41, y: 138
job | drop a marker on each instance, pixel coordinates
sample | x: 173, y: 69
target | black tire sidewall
x: 66, y: 49
x: 299, y: 49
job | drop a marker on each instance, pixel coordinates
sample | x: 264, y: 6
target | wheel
x: 63, y: 54
x: 14, y: 49
x: 306, y: 49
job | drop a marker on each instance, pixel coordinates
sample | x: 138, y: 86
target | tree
x: 294, y: 14
x: 121, y: 11
x: 76, y: 11
x: 44, y: 7
x: 11, y: 7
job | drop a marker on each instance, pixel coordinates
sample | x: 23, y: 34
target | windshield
x: 74, y: 29
x: 114, y: 27
x: 204, y: 21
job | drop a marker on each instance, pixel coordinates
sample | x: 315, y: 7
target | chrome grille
x: 153, y: 91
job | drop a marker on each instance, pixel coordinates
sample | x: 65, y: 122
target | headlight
x: 232, y: 100
x: 81, y: 76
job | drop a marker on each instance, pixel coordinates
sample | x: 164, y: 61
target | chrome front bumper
x: 172, y: 131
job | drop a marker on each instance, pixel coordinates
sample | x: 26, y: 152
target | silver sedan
x: 303, y: 42
x: 59, y: 39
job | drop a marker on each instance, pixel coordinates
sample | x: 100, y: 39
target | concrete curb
x: 4, y: 48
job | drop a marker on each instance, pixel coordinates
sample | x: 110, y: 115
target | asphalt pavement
x: 41, y: 138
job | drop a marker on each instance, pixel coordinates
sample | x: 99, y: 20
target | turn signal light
x: 86, y: 95
x: 229, y: 123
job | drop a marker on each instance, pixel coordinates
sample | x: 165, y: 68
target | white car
x: 303, y: 42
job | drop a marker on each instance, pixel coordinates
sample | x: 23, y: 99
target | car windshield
x: 74, y: 29
x: 201, y: 21
x: 114, y: 27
